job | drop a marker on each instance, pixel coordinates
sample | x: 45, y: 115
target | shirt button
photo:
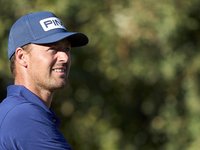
x: 54, y: 120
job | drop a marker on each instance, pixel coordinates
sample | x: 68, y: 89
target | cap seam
x: 13, y: 40
x: 29, y: 27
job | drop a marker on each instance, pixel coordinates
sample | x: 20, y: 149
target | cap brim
x: 75, y: 38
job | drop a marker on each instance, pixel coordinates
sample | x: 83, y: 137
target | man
x: 39, y: 52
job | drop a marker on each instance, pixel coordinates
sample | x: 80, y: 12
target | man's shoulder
x: 16, y: 108
x: 11, y: 101
x: 8, y: 104
x: 11, y: 104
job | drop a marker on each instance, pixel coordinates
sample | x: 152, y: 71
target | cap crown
x: 40, y: 28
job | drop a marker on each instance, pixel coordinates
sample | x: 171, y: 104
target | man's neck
x: 44, y: 95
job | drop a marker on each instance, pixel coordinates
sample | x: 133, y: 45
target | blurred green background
x: 135, y: 86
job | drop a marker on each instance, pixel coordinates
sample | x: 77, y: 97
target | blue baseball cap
x: 41, y: 28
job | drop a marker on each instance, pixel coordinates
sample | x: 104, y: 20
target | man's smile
x: 59, y: 70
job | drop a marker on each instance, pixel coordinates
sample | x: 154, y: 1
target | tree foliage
x: 135, y: 86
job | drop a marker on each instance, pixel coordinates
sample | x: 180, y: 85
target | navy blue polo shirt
x: 27, y: 124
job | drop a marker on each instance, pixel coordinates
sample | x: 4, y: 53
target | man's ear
x: 21, y: 56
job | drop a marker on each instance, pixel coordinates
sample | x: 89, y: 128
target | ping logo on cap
x: 51, y: 23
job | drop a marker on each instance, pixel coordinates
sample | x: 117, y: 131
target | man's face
x: 49, y: 65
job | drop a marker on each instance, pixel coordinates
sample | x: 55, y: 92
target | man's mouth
x: 59, y: 70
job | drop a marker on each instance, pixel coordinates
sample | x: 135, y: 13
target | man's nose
x: 63, y: 56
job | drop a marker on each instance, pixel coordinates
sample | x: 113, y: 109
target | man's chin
x: 60, y: 87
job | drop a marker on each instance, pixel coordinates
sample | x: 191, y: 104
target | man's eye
x: 52, y: 48
x: 67, y: 49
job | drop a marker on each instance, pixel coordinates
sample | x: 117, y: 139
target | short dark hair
x: 12, y: 65
x: 13, y: 58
